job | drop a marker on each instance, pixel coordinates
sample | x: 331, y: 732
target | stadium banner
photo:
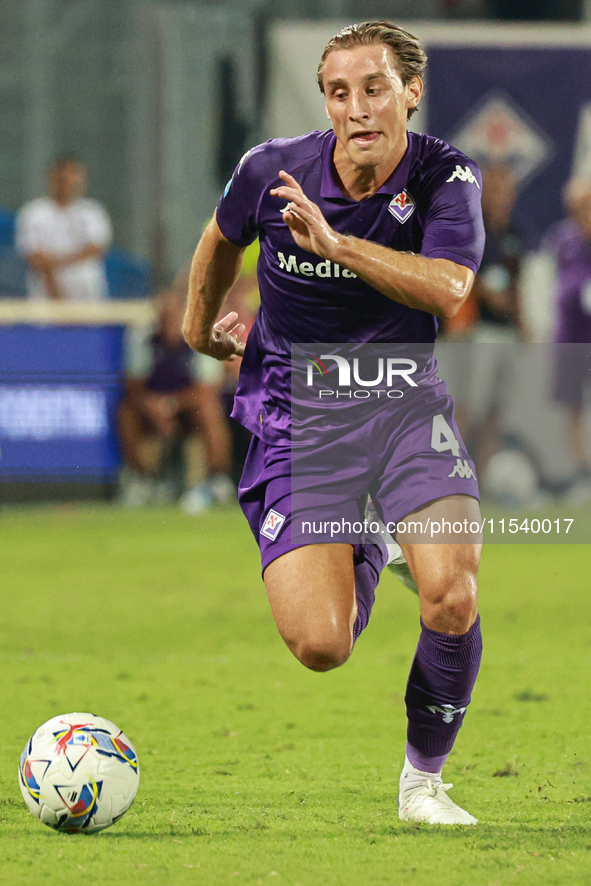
x: 505, y: 93
x: 519, y: 104
x: 60, y: 388
x: 380, y: 419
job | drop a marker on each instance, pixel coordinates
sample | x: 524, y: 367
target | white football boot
x: 423, y: 797
x: 396, y: 561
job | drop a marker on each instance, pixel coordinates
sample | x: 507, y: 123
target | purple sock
x: 369, y: 561
x: 438, y: 692
x: 425, y: 763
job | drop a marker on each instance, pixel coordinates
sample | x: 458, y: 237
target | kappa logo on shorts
x: 462, y: 469
x: 402, y: 206
x: 273, y: 523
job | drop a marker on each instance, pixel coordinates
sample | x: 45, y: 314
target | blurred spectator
x: 497, y: 326
x: 64, y: 237
x: 571, y: 242
x: 172, y: 393
x: 496, y: 289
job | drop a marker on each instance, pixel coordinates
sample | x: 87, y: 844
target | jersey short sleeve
x: 453, y: 227
x: 237, y: 211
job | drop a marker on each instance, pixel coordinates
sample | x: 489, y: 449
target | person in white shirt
x: 64, y: 237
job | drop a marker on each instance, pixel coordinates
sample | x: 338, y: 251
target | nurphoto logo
x: 386, y: 371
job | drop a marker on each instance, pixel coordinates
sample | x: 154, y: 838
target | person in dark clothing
x: 570, y: 241
x: 172, y: 393
x: 498, y: 325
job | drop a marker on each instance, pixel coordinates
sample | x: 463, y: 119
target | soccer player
x: 396, y: 218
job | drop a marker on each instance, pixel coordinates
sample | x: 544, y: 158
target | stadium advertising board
x: 59, y: 392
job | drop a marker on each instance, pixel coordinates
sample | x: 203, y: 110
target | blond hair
x: 411, y: 59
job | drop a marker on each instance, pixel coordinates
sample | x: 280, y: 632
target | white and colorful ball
x: 79, y: 773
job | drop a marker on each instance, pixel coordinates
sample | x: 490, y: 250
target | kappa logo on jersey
x: 273, y: 523
x: 236, y: 171
x: 402, y: 206
x: 243, y: 158
x: 464, y: 174
x: 462, y: 469
x: 447, y: 710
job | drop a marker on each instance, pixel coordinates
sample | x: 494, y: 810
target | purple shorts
x: 404, y: 458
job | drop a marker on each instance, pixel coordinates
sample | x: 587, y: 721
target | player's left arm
x: 436, y: 285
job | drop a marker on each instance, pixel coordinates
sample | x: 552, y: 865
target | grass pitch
x: 256, y: 771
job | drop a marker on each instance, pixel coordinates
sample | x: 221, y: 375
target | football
x: 79, y: 773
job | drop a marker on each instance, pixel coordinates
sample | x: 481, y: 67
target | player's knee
x: 458, y: 608
x: 323, y: 654
x: 452, y: 597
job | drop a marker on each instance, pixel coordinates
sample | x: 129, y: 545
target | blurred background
x: 121, y: 123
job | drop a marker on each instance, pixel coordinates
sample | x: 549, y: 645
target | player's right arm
x: 218, y: 258
x: 214, y: 270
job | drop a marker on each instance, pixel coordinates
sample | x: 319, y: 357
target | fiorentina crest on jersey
x: 402, y: 206
x: 273, y: 523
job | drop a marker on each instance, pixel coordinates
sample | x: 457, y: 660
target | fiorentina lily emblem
x: 402, y: 206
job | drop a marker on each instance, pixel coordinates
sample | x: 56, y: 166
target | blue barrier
x: 128, y: 275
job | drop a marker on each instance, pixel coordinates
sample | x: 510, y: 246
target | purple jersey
x: 429, y: 205
x: 573, y: 259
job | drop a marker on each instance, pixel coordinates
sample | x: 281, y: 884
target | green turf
x: 255, y: 770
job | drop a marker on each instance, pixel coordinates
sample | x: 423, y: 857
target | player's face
x: 367, y: 103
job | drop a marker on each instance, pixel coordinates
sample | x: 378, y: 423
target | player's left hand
x: 308, y: 227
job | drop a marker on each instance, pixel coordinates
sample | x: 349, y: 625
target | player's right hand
x: 308, y: 227
x: 224, y: 341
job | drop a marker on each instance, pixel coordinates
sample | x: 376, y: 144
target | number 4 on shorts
x: 443, y: 438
